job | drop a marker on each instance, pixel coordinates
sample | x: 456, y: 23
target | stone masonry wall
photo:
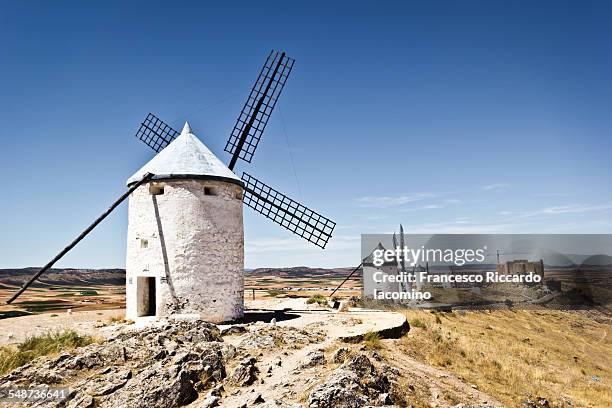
x: 192, y: 243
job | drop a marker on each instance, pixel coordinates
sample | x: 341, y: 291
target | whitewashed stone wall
x: 192, y: 244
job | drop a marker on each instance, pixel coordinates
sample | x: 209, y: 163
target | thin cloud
x: 569, y: 209
x: 495, y: 187
x: 433, y: 206
x: 387, y: 201
x: 423, y: 208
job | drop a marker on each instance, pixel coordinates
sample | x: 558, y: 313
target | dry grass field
x: 563, y: 356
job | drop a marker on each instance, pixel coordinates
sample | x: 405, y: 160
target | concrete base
x: 349, y: 326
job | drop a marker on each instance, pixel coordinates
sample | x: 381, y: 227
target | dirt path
x: 289, y: 381
x: 286, y: 382
x: 282, y: 376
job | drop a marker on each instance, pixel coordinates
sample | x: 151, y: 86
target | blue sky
x: 474, y: 116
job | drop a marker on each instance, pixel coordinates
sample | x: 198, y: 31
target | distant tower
x: 370, y: 271
x: 185, y: 244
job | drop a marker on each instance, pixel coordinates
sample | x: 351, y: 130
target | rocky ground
x: 196, y: 364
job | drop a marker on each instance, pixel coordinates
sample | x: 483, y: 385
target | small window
x: 239, y: 194
x: 210, y: 191
x: 144, y: 243
x: 156, y: 189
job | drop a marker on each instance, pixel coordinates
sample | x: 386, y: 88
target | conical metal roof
x: 186, y: 157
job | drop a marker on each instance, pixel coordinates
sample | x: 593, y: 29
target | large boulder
x: 160, y: 366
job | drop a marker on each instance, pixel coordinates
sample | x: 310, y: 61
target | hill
x: 299, y: 272
x: 75, y: 276
x: 66, y: 276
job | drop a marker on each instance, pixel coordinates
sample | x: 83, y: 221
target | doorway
x: 146, y: 294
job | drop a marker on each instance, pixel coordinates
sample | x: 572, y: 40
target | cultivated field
x: 81, y: 290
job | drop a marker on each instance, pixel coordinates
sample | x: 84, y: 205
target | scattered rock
x: 209, y: 402
x: 245, y: 373
x: 340, y: 355
x: 383, y: 399
x: 81, y: 401
x: 342, y: 389
x: 257, y: 399
x: 314, y: 358
x: 535, y: 402
x: 354, y: 384
x: 234, y: 329
x: 359, y: 364
x: 392, y: 371
x: 217, y: 391
x: 280, y: 404
x: 268, y: 337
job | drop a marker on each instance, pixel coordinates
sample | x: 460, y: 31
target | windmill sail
x: 243, y: 142
x: 258, y: 107
x: 155, y: 133
x: 286, y: 212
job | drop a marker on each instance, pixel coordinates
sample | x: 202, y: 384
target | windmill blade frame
x: 256, y: 112
x: 287, y: 212
x: 155, y: 133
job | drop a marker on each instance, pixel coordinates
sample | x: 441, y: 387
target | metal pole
x: 248, y: 126
x: 347, y: 278
x: 48, y: 266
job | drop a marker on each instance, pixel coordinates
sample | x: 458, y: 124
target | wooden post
x: 48, y: 266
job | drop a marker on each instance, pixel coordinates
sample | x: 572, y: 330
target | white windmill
x: 185, y: 248
x: 185, y: 245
